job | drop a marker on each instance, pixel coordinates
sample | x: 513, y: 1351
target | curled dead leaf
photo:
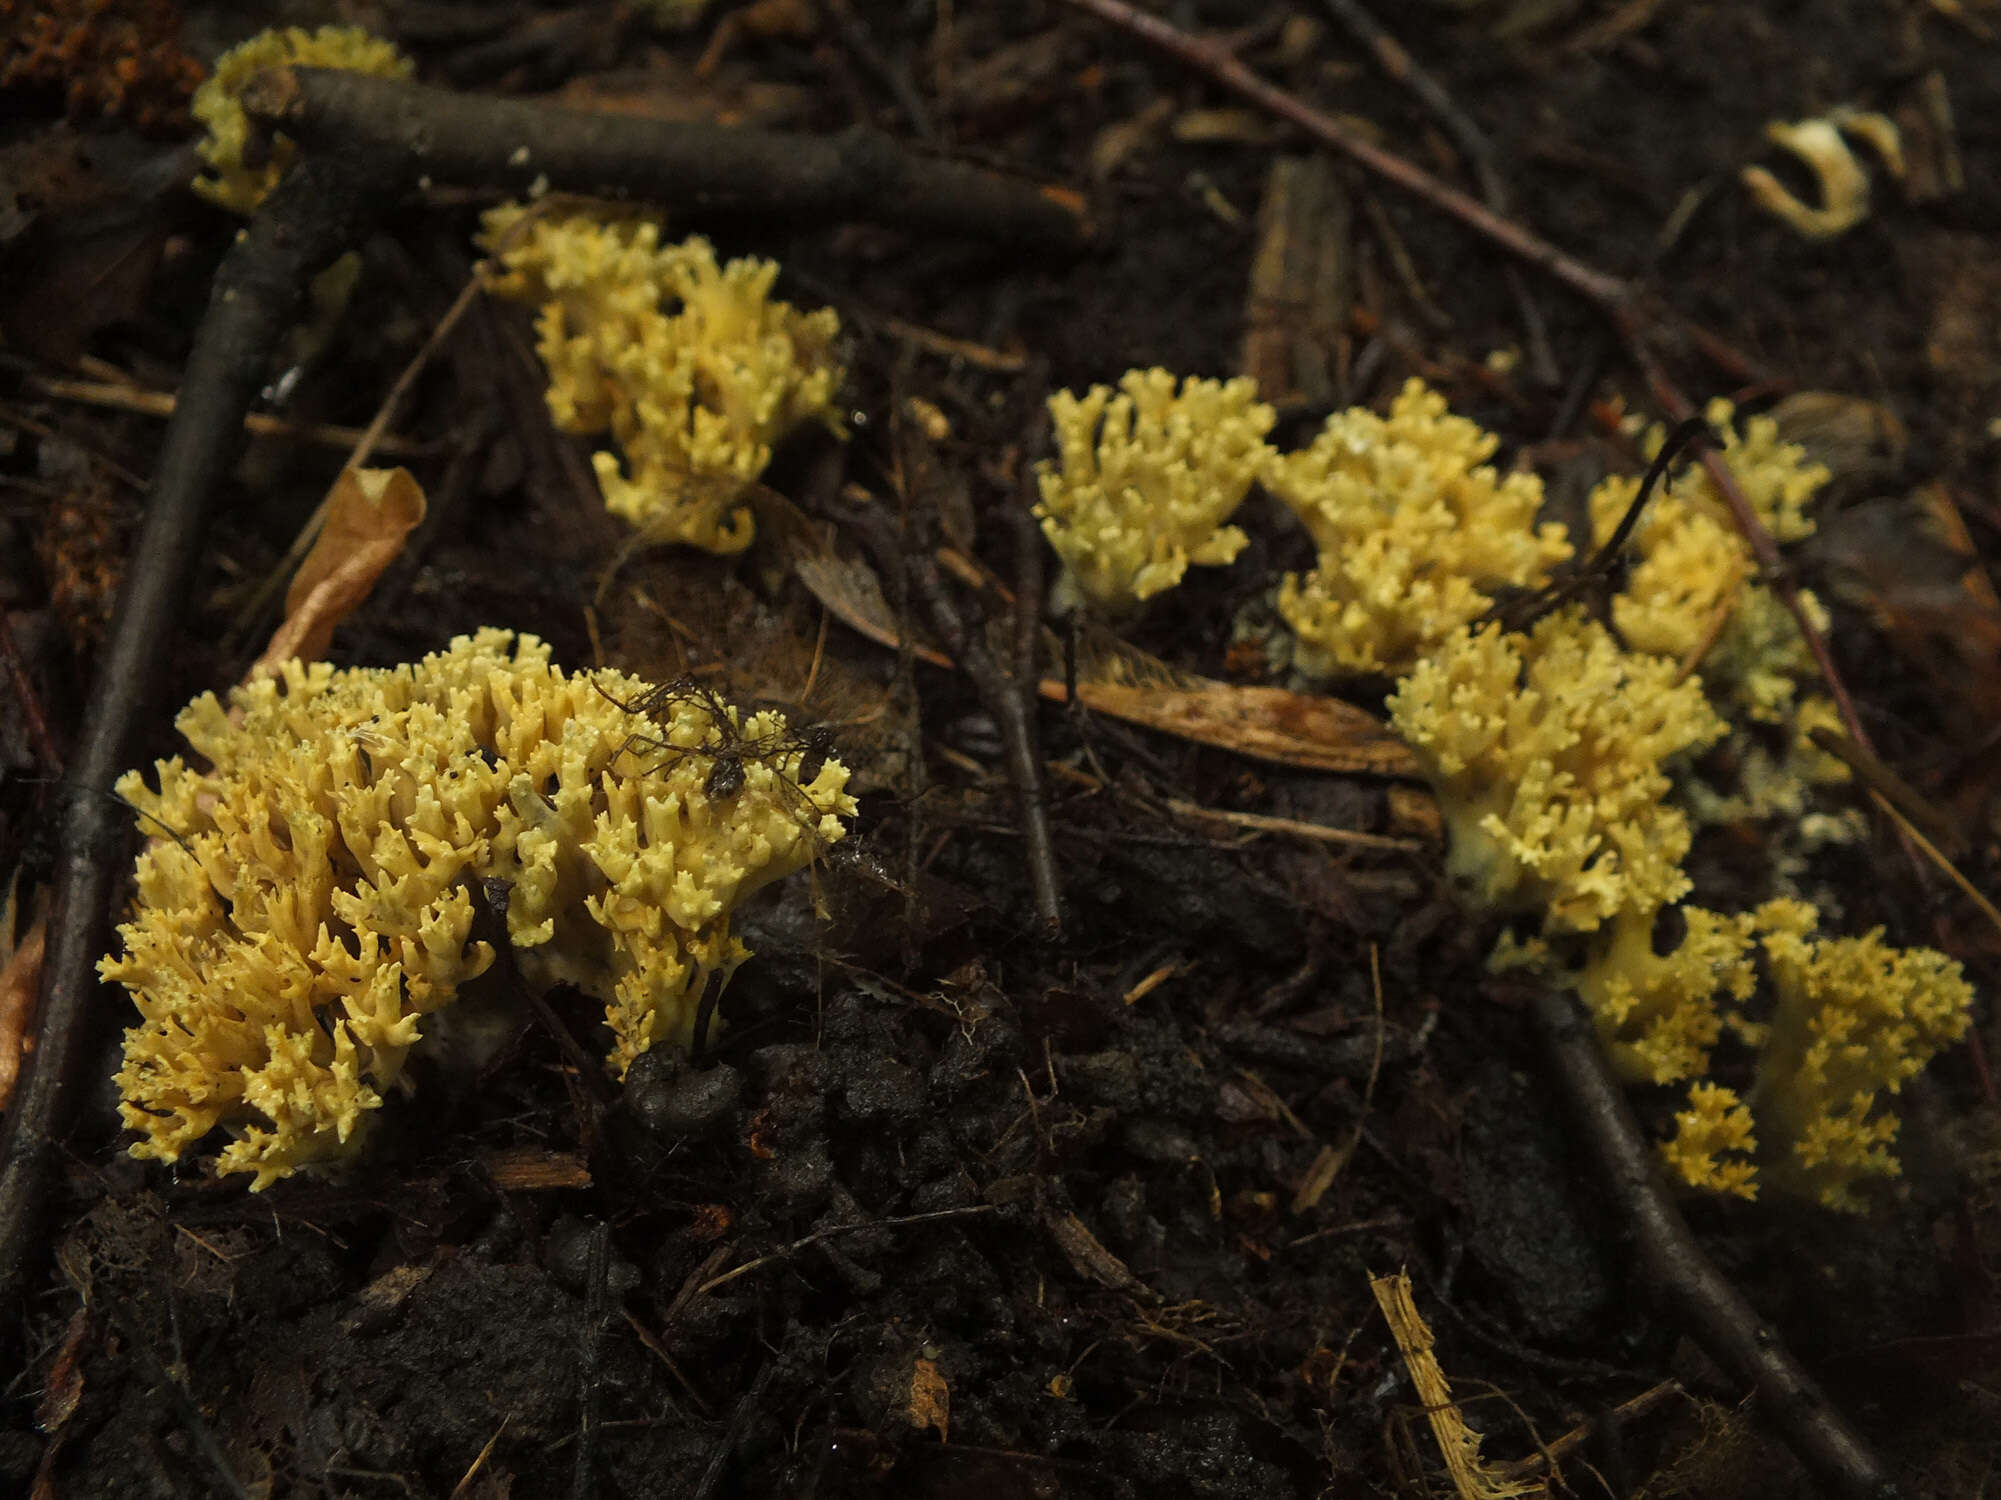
x: 369, y: 514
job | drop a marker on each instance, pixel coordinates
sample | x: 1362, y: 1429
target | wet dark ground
x: 1009, y: 1215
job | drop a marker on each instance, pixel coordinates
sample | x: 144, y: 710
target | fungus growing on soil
x: 1548, y: 753
x: 306, y: 902
x: 1144, y: 481
x: 1416, y: 531
x: 691, y: 366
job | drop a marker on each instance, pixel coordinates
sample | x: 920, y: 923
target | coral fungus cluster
x: 1416, y: 532
x: 1144, y: 482
x: 308, y: 901
x: 691, y: 366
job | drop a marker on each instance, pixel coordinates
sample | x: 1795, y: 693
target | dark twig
x: 322, y: 207
x: 16, y: 667
x: 1598, y: 574
x: 1599, y: 287
x: 1772, y: 567
x: 711, y: 1477
x: 1008, y: 700
x: 1472, y: 142
x: 518, y: 145
x: 785, y: 1252
x: 1702, y: 1298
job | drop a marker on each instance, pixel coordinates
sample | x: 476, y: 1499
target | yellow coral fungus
x: 1853, y: 1019
x: 1144, y: 481
x: 1658, y: 1014
x: 1713, y: 1143
x: 1690, y: 584
x: 692, y: 367
x: 1547, y: 752
x: 1416, y: 533
x: 305, y: 903
x: 217, y: 104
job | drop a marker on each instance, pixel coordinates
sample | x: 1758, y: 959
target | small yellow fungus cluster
x: 1547, y: 752
x: 1657, y: 1013
x: 691, y: 367
x: 1712, y: 1144
x: 230, y: 181
x: 308, y: 900
x: 1145, y: 480
x: 1691, y: 587
x: 1416, y: 532
x: 1850, y: 1020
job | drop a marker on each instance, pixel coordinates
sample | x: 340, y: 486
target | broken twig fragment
x: 528, y: 147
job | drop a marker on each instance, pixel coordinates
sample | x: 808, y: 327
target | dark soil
x: 1013, y: 1215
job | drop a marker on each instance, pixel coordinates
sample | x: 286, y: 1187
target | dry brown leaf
x: 930, y: 1398
x: 1088, y: 1256
x: 1305, y: 731
x: 1301, y: 730
x: 20, y: 985
x: 369, y: 514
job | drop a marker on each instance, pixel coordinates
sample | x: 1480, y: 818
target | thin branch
x: 1704, y: 1301
x: 1599, y: 287
x: 786, y: 1252
x: 321, y: 208
x: 527, y: 147
x: 1399, y: 64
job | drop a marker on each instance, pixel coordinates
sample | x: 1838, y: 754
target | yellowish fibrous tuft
x: 306, y: 902
x: 1144, y: 480
x: 1548, y: 755
x: 691, y: 366
x: 1416, y: 533
x: 218, y: 103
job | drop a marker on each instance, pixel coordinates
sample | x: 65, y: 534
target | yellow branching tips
x: 306, y: 902
x: 691, y: 367
x: 1713, y: 1142
x: 1657, y: 1014
x: 1854, y: 1019
x: 1145, y: 480
x: 1415, y: 530
x: 1550, y: 754
x: 1690, y: 585
x: 1547, y: 753
x: 232, y: 183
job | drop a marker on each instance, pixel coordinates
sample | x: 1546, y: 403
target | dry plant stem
x: 321, y: 208
x: 1009, y: 698
x: 161, y: 404
x: 527, y: 147
x: 1702, y: 1298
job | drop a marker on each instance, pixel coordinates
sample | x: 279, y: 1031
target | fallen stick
x: 321, y: 208
x: 1703, y: 1300
x: 525, y: 147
